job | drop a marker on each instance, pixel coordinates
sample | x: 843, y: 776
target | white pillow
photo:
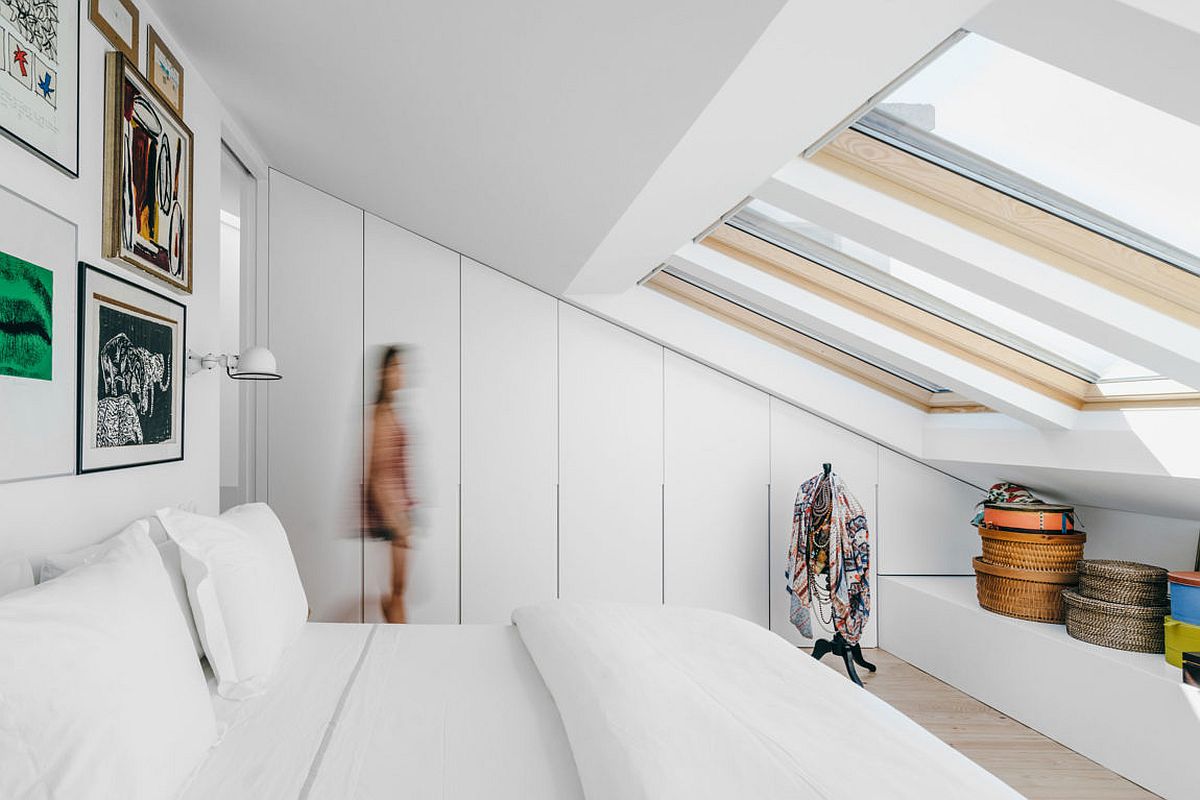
x: 15, y: 573
x: 244, y: 589
x: 101, y: 695
x: 58, y: 563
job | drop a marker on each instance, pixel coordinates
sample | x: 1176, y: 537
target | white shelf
x: 961, y: 591
x: 1126, y: 711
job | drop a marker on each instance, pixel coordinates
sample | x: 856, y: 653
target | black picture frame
x: 17, y: 139
x: 86, y: 376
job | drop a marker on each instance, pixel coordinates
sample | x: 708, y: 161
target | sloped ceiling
x: 514, y: 132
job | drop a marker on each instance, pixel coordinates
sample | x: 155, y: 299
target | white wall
x: 509, y: 445
x: 54, y: 514
x: 316, y: 424
x: 610, y: 461
x: 1162, y: 541
x: 717, y: 472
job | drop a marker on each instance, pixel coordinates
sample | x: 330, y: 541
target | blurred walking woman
x: 389, y: 503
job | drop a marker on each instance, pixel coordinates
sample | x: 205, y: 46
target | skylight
x: 1073, y: 147
x: 935, y: 295
x: 739, y: 275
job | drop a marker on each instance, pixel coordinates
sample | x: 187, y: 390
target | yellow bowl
x: 1180, y: 638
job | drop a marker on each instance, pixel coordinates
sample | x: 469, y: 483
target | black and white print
x: 131, y: 367
x: 133, y: 392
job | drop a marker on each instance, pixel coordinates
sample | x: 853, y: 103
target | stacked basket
x: 1029, y: 555
x: 1118, y: 604
x: 1182, y: 628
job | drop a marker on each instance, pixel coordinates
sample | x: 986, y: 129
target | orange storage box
x: 1029, y: 517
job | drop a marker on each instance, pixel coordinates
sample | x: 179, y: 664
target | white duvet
x: 680, y: 703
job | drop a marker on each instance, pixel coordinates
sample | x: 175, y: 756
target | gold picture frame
x: 164, y: 70
x: 148, y: 170
x: 110, y: 17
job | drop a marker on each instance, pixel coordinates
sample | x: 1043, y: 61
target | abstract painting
x: 131, y: 374
x: 26, y: 319
x: 39, y: 107
x: 147, y: 178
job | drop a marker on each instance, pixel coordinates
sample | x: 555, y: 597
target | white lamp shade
x: 256, y: 364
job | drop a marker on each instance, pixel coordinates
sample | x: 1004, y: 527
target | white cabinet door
x: 717, y: 466
x: 800, y: 444
x: 924, y: 519
x: 509, y: 445
x: 610, y: 461
x: 315, y: 421
x: 411, y: 291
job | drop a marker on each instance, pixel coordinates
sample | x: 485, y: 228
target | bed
x: 103, y: 694
x: 574, y: 700
x: 415, y: 710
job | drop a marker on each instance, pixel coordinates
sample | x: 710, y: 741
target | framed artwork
x: 118, y: 21
x: 147, y: 178
x: 39, y: 91
x: 26, y: 319
x: 164, y: 70
x: 37, y: 340
x: 132, y: 364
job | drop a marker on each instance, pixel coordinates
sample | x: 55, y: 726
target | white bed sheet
x: 385, y: 711
x: 268, y: 742
x: 451, y: 712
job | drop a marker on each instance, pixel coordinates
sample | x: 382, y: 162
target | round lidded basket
x: 1126, y: 582
x: 1185, y: 596
x: 1121, y: 627
x: 1026, y: 594
x: 1029, y: 517
x: 1056, y: 552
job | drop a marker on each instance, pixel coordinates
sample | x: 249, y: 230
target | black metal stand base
x: 850, y: 653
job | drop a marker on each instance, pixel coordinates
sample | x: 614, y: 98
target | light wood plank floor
x: 1037, y: 767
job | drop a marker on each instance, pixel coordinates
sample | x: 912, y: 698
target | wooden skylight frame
x: 949, y: 336
x: 812, y: 349
x: 1014, y: 223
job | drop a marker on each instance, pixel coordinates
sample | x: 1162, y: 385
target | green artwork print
x: 26, y: 319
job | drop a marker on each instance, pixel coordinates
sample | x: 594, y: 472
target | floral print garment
x: 844, y: 555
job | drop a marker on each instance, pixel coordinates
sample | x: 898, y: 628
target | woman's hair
x: 391, y: 354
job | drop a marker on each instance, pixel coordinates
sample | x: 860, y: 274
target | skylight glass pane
x: 915, y: 380
x: 1104, y: 150
x: 935, y: 295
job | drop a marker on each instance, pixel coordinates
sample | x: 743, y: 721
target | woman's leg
x: 393, y: 607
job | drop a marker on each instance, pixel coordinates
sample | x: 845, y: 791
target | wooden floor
x: 1037, y: 767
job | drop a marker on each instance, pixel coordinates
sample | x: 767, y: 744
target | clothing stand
x: 851, y: 653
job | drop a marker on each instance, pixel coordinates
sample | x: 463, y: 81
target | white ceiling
x: 516, y: 133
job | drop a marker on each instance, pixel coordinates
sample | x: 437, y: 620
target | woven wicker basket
x: 1056, y: 552
x: 1121, y: 627
x: 1124, y: 582
x: 1026, y: 594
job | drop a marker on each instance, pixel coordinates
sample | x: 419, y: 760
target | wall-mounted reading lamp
x: 256, y: 364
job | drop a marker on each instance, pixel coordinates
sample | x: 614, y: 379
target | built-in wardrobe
x: 553, y: 453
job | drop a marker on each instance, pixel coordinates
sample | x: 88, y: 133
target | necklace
x: 816, y: 549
